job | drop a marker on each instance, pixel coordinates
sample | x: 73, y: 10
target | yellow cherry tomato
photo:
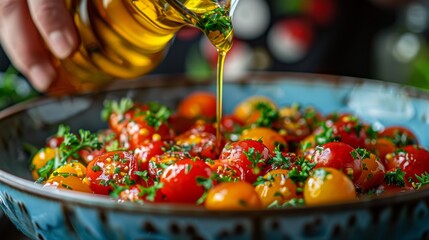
x: 268, y: 136
x: 70, y: 176
x: 41, y: 158
x: 277, y: 187
x: 233, y: 196
x: 328, y: 185
x: 246, y: 110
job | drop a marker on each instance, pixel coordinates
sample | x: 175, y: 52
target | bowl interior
x: 29, y: 124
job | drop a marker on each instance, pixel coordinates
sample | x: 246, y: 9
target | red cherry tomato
x: 198, y: 105
x: 119, y: 120
x: 181, y: 181
x: 352, y: 131
x: 198, y: 144
x: 141, y: 193
x: 231, y: 124
x: 224, y: 170
x: 158, y: 163
x: 111, y: 168
x: 400, y: 136
x: 412, y: 160
x: 249, y: 156
x: 140, y: 131
x: 146, y: 151
x: 340, y: 156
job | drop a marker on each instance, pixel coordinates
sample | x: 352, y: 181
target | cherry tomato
x: 352, y: 133
x: 400, y: 136
x: 233, y: 196
x: 247, y: 112
x: 411, y: 159
x: 224, y: 170
x: 372, y: 172
x: 146, y: 151
x: 198, y: 144
x: 198, y: 105
x: 203, y: 126
x: 270, y: 138
x: 382, y: 147
x: 158, y: 163
x: 295, y: 125
x: 141, y: 193
x: 394, y: 182
x: 231, y: 124
x: 249, y: 156
x: 328, y: 185
x: 40, y: 159
x: 277, y: 186
x: 54, y: 141
x: 140, y: 131
x: 111, y: 168
x: 180, y: 124
x: 181, y: 181
x: 70, y: 176
x: 118, y: 120
x: 340, y: 156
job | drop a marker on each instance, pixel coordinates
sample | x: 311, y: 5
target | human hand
x: 31, y: 31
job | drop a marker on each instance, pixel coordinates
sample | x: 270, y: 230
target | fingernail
x: 60, y: 44
x: 41, y: 76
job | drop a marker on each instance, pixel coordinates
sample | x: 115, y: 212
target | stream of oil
x: 219, y: 95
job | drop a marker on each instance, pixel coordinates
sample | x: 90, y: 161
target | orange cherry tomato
x: 277, y: 187
x: 372, y: 172
x: 70, y: 176
x: 41, y: 159
x: 233, y: 196
x: 382, y: 147
x: 246, y: 110
x: 328, y: 185
x: 270, y: 138
x: 198, y: 105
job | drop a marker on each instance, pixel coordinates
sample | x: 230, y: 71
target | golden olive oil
x: 125, y: 39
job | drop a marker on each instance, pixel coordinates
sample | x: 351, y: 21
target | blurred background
x: 378, y: 39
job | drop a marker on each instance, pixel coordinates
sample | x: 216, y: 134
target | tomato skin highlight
x: 180, y: 181
x: 111, y: 168
x: 233, y: 196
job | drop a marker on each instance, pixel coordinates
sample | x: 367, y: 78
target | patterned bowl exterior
x: 42, y: 213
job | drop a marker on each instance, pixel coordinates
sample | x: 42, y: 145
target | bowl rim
x: 67, y: 197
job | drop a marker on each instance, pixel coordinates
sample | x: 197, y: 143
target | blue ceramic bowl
x: 60, y: 214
